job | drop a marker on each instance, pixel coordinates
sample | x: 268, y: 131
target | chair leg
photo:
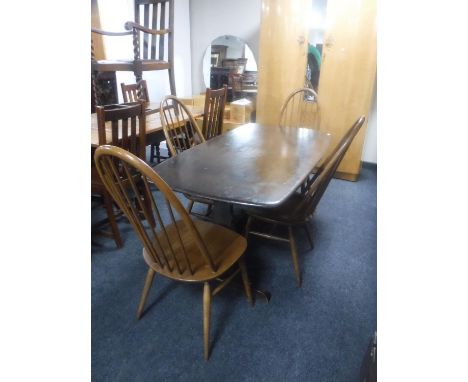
x: 292, y: 243
x: 110, y: 214
x: 309, y: 235
x: 245, y: 280
x: 208, y: 211
x: 152, y: 153
x: 189, y: 209
x: 158, y: 152
x: 146, y: 289
x: 206, y: 319
x: 247, y: 226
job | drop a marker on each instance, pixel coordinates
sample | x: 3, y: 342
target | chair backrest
x: 300, y: 109
x: 158, y: 221
x: 322, y: 178
x: 130, y: 92
x: 127, y: 127
x: 180, y: 128
x: 215, y: 101
x: 157, y: 42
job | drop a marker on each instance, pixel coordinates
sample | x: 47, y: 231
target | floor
x: 319, y: 332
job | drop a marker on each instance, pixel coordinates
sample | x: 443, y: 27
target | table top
x: 153, y: 122
x: 255, y: 164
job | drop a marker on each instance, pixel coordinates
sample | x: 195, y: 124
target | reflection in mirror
x: 229, y: 60
x: 316, y: 36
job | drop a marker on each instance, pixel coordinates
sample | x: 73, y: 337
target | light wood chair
x: 128, y: 127
x: 174, y: 245
x: 299, y: 208
x: 300, y: 109
x: 215, y: 101
x: 182, y: 132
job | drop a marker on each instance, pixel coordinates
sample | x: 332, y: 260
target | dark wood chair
x: 215, y: 101
x: 182, y: 133
x: 128, y: 126
x: 152, y: 40
x: 174, y: 245
x: 300, y: 109
x: 299, y: 208
x: 130, y: 94
x: 103, y: 71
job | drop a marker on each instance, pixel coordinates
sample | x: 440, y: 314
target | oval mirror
x: 228, y: 60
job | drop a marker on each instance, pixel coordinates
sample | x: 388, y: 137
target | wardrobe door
x: 348, y: 74
x: 282, y: 54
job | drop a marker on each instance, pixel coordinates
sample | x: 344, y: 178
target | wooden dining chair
x: 300, y: 109
x: 130, y: 94
x: 127, y: 130
x: 182, y: 133
x: 174, y: 245
x: 298, y: 209
x: 152, y: 37
x: 215, y: 101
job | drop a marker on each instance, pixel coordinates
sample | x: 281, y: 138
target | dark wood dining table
x: 254, y: 164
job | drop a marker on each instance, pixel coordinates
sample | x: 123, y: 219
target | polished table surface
x: 153, y: 122
x: 252, y: 165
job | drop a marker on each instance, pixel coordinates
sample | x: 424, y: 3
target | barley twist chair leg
x: 146, y: 289
x: 206, y: 319
x: 292, y: 243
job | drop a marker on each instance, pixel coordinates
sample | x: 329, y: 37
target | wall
x: 369, y: 151
x: 210, y: 19
x: 113, y: 16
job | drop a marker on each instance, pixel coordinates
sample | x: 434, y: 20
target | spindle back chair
x: 180, y: 128
x: 298, y: 209
x: 182, y: 132
x: 174, y: 245
x: 300, y: 109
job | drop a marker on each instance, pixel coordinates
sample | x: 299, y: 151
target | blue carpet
x: 319, y: 332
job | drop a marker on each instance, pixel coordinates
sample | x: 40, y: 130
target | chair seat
x: 129, y: 65
x: 225, y: 248
x: 284, y: 213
